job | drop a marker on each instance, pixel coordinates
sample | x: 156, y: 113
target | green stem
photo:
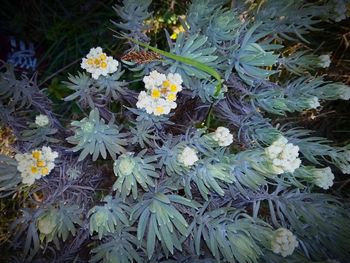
x: 185, y: 60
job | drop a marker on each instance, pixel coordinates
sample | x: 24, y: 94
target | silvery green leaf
x: 92, y: 131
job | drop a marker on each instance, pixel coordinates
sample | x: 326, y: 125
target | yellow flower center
x: 34, y: 170
x: 103, y: 56
x: 166, y: 83
x: 36, y: 155
x: 164, y: 91
x: 44, y: 171
x: 171, y: 97
x: 173, y: 88
x: 97, y: 61
x: 155, y: 93
x: 159, y: 110
x: 40, y: 163
x: 90, y: 61
x: 103, y: 64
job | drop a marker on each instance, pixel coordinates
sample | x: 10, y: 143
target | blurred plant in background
x: 214, y: 118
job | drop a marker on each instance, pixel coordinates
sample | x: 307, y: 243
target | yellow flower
x: 90, y: 61
x: 34, y: 169
x: 40, y: 163
x: 171, y: 97
x: 103, y: 56
x: 97, y: 62
x: 166, y: 83
x: 44, y: 171
x: 103, y: 64
x: 36, y: 155
x: 155, y: 93
x: 173, y: 88
x: 159, y: 110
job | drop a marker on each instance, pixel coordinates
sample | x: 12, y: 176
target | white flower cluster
x: 98, y: 63
x: 313, y: 102
x: 325, y: 61
x: 283, y: 155
x: 36, y: 164
x: 222, y: 136
x: 283, y: 242
x: 324, y: 177
x: 160, y: 95
x: 188, y: 157
x: 41, y: 120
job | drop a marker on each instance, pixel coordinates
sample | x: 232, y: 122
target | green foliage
x: 111, y: 85
x: 200, y: 12
x: 301, y: 62
x: 158, y: 215
x: 251, y: 56
x: 133, y: 13
x: 143, y: 133
x: 223, y: 26
x: 151, y: 203
x: 249, y: 169
x: 195, y: 48
x: 106, y: 219
x: 16, y: 91
x: 81, y: 85
x: 38, y: 135
x: 229, y: 235
x: 93, y: 136
x: 290, y: 19
x: 9, y: 176
x: 277, y: 102
x: 59, y: 222
x: 86, y: 90
x: 132, y: 170
x: 118, y: 248
x: 207, y: 176
x: 319, y: 220
x: 168, y: 156
x: 318, y: 87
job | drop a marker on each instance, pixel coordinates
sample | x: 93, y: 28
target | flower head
x: 283, y: 156
x: 42, y: 120
x: 283, y: 242
x: 36, y: 164
x: 188, y: 156
x: 324, y: 177
x: 160, y: 95
x: 325, y: 61
x: 98, y: 63
x: 223, y: 136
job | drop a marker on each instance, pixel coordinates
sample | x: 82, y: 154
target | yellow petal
x: 103, y: 56
x: 155, y: 93
x: 171, y: 97
x: 34, y: 170
x: 97, y: 61
x: 44, y: 171
x: 103, y: 64
x: 159, y: 110
x: 36, y: 155
x: 166, y: 83
x: 173, y: 88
